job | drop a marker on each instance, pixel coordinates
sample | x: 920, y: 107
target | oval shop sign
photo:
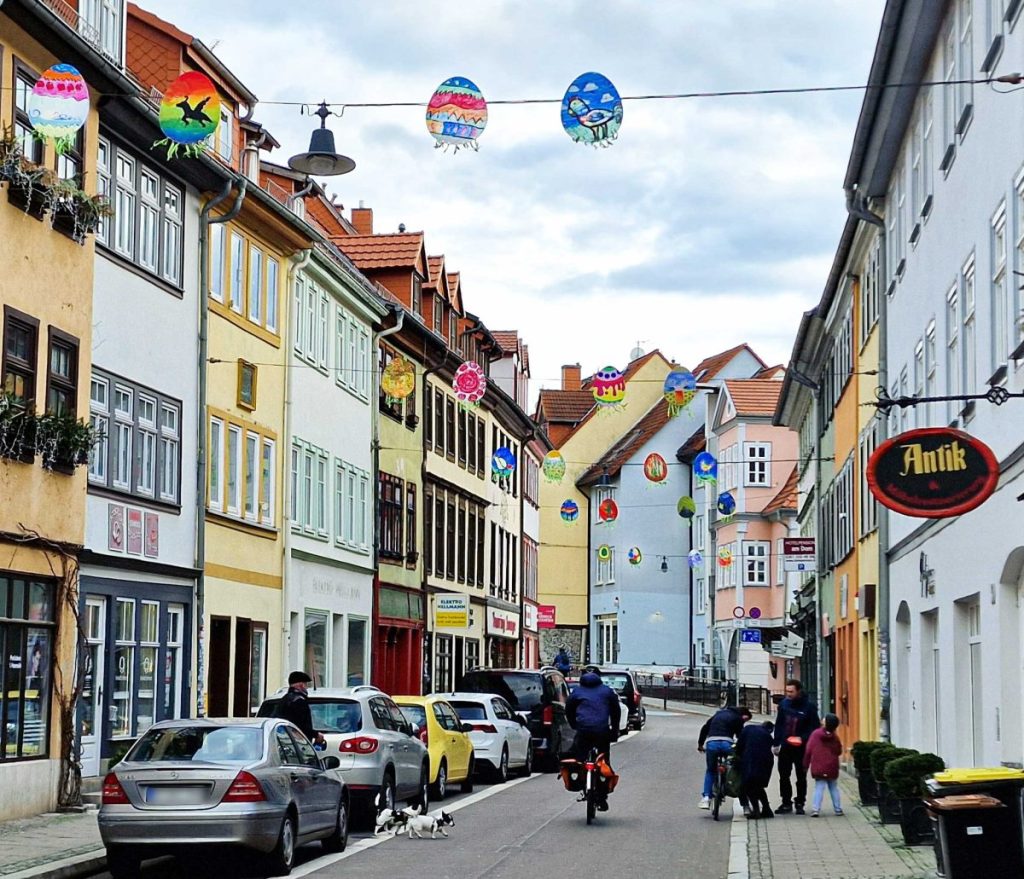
x: 932, y: 473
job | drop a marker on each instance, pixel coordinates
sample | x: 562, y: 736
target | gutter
x: 884, y: 597
x: 204, y: 347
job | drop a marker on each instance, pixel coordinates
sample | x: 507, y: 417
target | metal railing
x: 83, y: 27
x: 713, y: 693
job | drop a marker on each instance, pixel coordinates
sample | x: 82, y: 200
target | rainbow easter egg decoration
x: 609, y: 387
x: 634, y: 556
x: 570, y: 510
x: 59, y: 105
x: 189, y: 114
x: 592, y: 110
x: 553, y: 466
x: 457, y: 114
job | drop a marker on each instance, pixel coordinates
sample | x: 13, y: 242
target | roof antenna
x: 401, y: 227
x: 638, y: 351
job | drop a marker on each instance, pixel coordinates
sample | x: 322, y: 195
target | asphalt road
x: 535, y: 827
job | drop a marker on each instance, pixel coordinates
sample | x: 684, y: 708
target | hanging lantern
x: 503, y: 464
x: 694, y: 559
x: 609, y: 387
x: 592, y: 110
x: 398, y: 380
x: 570, y: 511
x: 687, y: 507
x: 655, y: 468
x: 189, y: 114
x: 456, y: 114
x: 470, y: 384
x: 59, y: 106
x: 726, y: 506
x: 608, y: 511
x: 553, y: 466
x: 634, y: 556
x: 724, y: 557
x: 680, y: 388
x: 604, y: 553
x: 705, y: 468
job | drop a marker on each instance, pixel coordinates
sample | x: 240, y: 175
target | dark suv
x: 623, y: 682
x: 539, y: 695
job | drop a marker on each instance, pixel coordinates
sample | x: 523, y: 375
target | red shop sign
x: 932, y: 473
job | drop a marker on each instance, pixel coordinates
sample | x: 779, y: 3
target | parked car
x: 623, y: 681
x: 500, y: 737
x: 539, y: 695
x: 256, y: 783
x: 447, y: 739
x: 373, y: 740
x: 573, y: 683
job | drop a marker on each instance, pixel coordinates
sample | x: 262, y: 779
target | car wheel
x: 422, y: 798
x: 501, y: 772
x: 122, y: 863
x: 282, y: 858
x: 440, y: 787
x: 338, y: 839
x: 527, y: 769
x: 467, y: 784
x: 387, y: 791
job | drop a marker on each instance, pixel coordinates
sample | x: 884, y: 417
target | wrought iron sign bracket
x: 996, y: 395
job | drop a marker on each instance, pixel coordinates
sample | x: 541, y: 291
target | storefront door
x: 91, y: 702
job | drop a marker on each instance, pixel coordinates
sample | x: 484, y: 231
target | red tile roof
x: 695, y: 444
x: 771, y: 371
x: 786, y: 498
x: 434, y: 266
x: 754, y: 396
x: 709, y: 367
x: 612, y: 461
x: 508, y: 340
x: 455, y: 291
x: 564, y: 406
x: 395, y: 250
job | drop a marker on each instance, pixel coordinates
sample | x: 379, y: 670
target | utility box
x: 972, y: 835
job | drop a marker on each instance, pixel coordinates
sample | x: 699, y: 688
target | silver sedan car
x: 255, y: 783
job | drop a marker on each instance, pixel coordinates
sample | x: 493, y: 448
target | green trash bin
x: 973, y: 831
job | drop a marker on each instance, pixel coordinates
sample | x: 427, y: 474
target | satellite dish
x: 636, y: 354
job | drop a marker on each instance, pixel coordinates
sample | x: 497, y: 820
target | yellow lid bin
x: 979, y: 775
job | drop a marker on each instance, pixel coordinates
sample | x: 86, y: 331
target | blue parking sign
x: 750, y: 636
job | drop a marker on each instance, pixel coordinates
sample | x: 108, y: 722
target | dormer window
x: 417, y: 294
x: 100, y: 22
x: 225, y: 134
x: 438, y: 315
x: 453, y: 330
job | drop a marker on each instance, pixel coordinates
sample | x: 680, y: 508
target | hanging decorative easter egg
x: 705, y: 468
x: 604, y: 552
x: 592, y: 110
x: 553, y: 466
x: 59, y: 106
x: 503, y: 464
x: 680, y: 388
x: 609, y: 387
x: 694, y: 559
x: 189, y: 114
x: 456, y: 114
x: 724, y: 557
x: 470, y: 383
x: 570, y: 510
x: 655, y: 468
x: 608, y: 510
x: 726, y: 505
x: 686, y: 507
x: 398, y: 380
x: 634, y: 556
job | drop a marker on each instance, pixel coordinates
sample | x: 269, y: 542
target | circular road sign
x: 738, y: 612
x: 755, y: 613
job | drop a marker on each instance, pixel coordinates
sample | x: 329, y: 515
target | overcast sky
x: 708, y: 223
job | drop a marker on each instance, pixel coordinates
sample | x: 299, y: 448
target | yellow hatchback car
x: 447, y: 740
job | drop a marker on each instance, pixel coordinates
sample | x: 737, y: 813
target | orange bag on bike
x: 610, y: 778
x: 573, y: 775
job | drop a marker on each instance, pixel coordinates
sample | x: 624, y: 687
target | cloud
x: 591, y: 87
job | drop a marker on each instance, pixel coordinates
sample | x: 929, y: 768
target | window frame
x: 27, y: 368
x: 219, y: 505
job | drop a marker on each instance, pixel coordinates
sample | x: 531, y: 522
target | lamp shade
x: 321, y: 160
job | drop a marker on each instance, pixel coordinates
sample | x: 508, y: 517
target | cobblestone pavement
x: 45, y: 839
x: 851, y: 846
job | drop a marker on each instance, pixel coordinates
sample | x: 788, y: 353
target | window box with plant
x: 888, y: 805
x: 905, y: 777
x: 866, y: 786
x: 61, y: 441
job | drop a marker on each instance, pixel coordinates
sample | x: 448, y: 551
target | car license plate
x: 175, y: 795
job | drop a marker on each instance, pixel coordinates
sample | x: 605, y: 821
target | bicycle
x: 719, y: 791
x: 591, y: 784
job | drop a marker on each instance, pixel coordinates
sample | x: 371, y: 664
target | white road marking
x: 739, y: 863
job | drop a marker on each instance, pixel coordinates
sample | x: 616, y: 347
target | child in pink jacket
x: 822, y: 759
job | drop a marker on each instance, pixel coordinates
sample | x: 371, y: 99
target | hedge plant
x: 904, y: 776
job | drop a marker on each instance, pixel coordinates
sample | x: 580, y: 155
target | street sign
x: 754, y: 613
x: 750, y: 636
x: 798, y: 554
x: 791, y: 646
x: 796, y: 566
x: 738, y: 613
x: 546, y: 616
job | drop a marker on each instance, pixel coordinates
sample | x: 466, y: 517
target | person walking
x: 796, y: 720
x: 754, y: 752
x: 822, y: 759
x: 294, y: 706
x: 716, y: 737
x: 562, y: 661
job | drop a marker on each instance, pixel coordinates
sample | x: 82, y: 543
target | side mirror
x: 408, y: 729
x: 466, y: 727
x: 521, y: 719
x: 330, y: 762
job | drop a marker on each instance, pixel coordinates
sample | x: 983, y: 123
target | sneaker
x: 602, y: 806
x: 784, y: 809
x: 705, y: 802
x: 813, y: 814
x: 799, y: 810
x: 767, y: 813
x: 840, y: 812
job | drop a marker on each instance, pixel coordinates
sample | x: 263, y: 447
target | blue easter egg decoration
x: 592, y: 110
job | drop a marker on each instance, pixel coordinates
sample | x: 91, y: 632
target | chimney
x: 362, y: 219
x: 571, y: 377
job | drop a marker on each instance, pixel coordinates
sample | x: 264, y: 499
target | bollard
x: 664, y: 700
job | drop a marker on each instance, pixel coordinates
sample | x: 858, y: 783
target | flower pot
x: 26, y: 197
x: 63, y: 221
x: 915, y: 822
x: 888, y: 806
x: 866, y: 787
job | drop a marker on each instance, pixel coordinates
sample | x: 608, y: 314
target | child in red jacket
x: 822, y: 759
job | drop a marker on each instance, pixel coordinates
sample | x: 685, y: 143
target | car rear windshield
x: 330, y: 716
x: 522, y: 691
x: 199, y: 744
x: 415, y: 714
x: 616, y: 682
x: 470, y: 710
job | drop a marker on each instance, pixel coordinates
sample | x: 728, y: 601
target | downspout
x: 299, y: 261
x: 375, y: 451
x: 204, y: 347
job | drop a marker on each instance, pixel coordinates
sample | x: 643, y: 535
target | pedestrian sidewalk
x: 851, y: 846
x: 51, y: 846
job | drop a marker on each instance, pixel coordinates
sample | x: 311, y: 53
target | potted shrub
x: 75, y: 213
x: 904, y: 777
x: 17, y: 430
x: 888, y: 805
x: 861, y: 752
x: 64, y: 442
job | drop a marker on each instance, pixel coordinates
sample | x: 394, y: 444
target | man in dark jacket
x: 716, y: 737
x: 754, y: 752
x: 796, y: 720
x: 294, y: 706
x: 593, y: 711
x: 562, y: 661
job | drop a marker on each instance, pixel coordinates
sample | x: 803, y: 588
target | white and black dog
x: 393, y: 820
x: 434, y: 823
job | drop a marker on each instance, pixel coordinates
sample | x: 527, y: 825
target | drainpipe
x: 205, y: 220
x: 299, y: 261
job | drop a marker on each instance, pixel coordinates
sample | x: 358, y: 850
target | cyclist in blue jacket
x: 716, y: 737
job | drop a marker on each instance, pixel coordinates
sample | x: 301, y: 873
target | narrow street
x: 535, y: 827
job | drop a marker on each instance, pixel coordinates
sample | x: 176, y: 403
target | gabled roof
x: 709, y: 367
x: 754, y: 396
x: 612, y: 460
x: 771, y: 371
x: 693, y: 446
x: 564, y: 406
x: 396, y: 250
x: 786, y: 499
x: 436, y: 278
x: 455, y: 291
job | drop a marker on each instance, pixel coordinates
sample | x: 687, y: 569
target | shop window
x: 315, y: 656
x: 357, y: 648
x: 124, y: 666
x: 149, y: 645
x: 257, y: 667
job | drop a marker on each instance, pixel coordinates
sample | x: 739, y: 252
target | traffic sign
x: 750, y: 636
x: 791, y: 565
x: 738, y: 612
x: 754, y: 613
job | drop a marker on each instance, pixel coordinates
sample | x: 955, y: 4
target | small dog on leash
x: 393, y: 821
x: 433, y: 823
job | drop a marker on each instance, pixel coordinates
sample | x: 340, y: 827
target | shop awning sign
x: 932, y: 473
x: 451, y: 611
x: 501, y: 624
x: 546, y: 616
x: 529, y: 616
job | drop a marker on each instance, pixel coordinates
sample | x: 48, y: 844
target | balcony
x: 99, y: 22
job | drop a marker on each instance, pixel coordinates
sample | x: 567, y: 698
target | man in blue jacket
x: 717, y: 737
x: 593, y: 711
x: 796, y: 720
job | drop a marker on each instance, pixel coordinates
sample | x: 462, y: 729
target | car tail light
x: 589, y: 767
x: 636, y: 698
x: 484, y: 727
x: 244, y: 789
x: 359, y: 745
x: 423, y: 737
x: 547, y: 716
x: 113, y: 793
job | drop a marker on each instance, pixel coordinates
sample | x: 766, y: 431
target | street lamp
x: 321, y: 160
x: 664, y: 564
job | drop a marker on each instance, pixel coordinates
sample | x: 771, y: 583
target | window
x: 606, y: 568
x: 218, y: 261
x: 757, y: 463
x: 449, y: 420
x: 103, y: 157
x: 927, y: 154
x: 953, y: 364
x: 870, y: 285
x: 216, y: 463
x: 391, y: 515
x: 461, y: 543
x: 99, y: 412
x: 755, y: 562
x: 439, y: 544
x: 866, y: 445
x: 21, y: 336
x: 242, y: 474
x: 123, y: 432
x: 607, y: 639
x: 266, y: 495
x: 438, y: 421
x: 252, y: 462
x: 146, y: 445
x: 309, y: 487
x: 71, y: 162
x: 428, y: 529
x: 225, y: 134
x: 965, y: 71
x: 237, y: 272
x: 24, y: 82
x: 352, y: 348
x: 233, y: 469
x: 780, y: 563
x: 256, y: 285
x: 124, y: 668
x: 949, y: 76
x: 481, y: 454
x: 969, y: 383
x: 462, y: 437
x: 931, y: 357
x: 394, y: 408
x: 438, y: 315
x: 273, y: 292
x: 531, y: 481
x: 410, y: 522
x: 252, y: 280
x: 100, y: 23
x: 841, y: 493
x: 1000, y: 304
x: 245, y: 397
x: 148, y: 217
x: 919, y: 414
x: 450, y: 535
